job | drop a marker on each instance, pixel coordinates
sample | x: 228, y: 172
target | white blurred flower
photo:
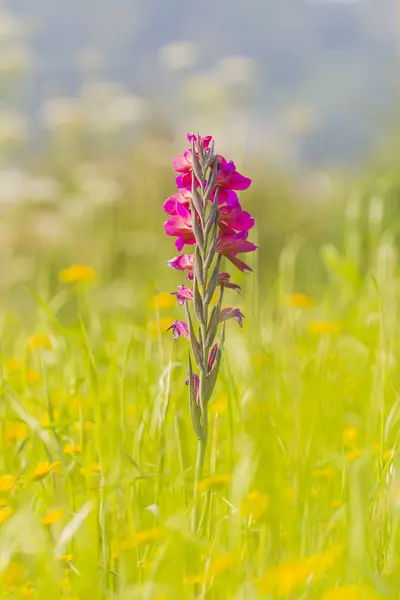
x: 204, y: 91
x: 299, y: 119
x: 50, y: 228
x: 118, y: 113
x: 14, y: 59
x: 10, y: 26
x: 178, y: 55
x: 12, y: 186
x: 60, y: 112
x: 16, y: 186
x: 108, y: 107
x: 13, y: 126
x: 236, y: 70
x: 100, y: 191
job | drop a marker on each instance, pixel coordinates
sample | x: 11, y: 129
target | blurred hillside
x: 306, y: 79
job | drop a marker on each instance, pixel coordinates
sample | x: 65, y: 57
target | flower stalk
x: 206, y: 213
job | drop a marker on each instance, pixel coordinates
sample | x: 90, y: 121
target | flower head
x: 184, y: 293
x: 78, y: 274
x: 232, y: 313
x: 229, y: 178
x: 205, y: 212
x: 196, y: 385
x: 183, y: 262
x: 179, y: 328
x: 224, y: 279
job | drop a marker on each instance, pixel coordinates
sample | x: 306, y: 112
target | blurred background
x: 98, y: 97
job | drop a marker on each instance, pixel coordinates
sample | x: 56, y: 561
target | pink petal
x: 232, y: 313
x: 183, y: 262
x: 182, y: 163
x: 242, y: 266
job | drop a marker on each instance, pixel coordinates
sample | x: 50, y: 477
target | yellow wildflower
x: 219, y: 405
x: 289, y: 495
x: 159, y: 326
x: 5, y: 514
x: 321, y: 327
x: 213, y: 481
x: 221, y: 564
x: 72, y: 449
x: 39, y: 341
x: 354, y: 454
x: 162, y: 300
x: 142, y: 537
x: 53, y: 516
x: 7, y: 483
x: 66, y: 557
x: 289, y: 576
x: 78, y: 274
x: 324, y: 473
x: 92, y: 468
x: 12, y: 574
x: 16, y: 431
x: 13, y: 365
x: 336, y: 503
x: 297, y: 300
x: 33, y: 377
x: 44, y: 468
x: 351, y: 592
x: 254, y: 505
x: 131, y: 411
x: 28, y: 592
x: 350, y: 437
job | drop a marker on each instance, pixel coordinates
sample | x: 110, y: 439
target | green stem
x: 201, y: 453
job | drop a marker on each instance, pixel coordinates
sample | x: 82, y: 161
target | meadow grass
x: 300, y: 496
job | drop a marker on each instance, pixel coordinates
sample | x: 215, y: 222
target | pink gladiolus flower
x: 171, y: 205
x: 179, y: 328
x: 181, y: 227
x: 196, y: 385
x: 183, y: 262
x: 228, y: 197
x: 212, y: 356
x: 224, y: 278
x: 182, y: 163
x: 232, y: 313
x: 235, y: 244
x: 229, y: 178
x: 183, y: 293
x: 233, y: 218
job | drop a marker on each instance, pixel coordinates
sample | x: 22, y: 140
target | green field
x: 300, y: 497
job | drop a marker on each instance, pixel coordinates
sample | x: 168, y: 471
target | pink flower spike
x: 196, y: 385
x: 232, y: 313
x: 183, y: 262
x: 225, y: 279
x: 212, y: 356
x: 179, y: 328
x: 183, y: 293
